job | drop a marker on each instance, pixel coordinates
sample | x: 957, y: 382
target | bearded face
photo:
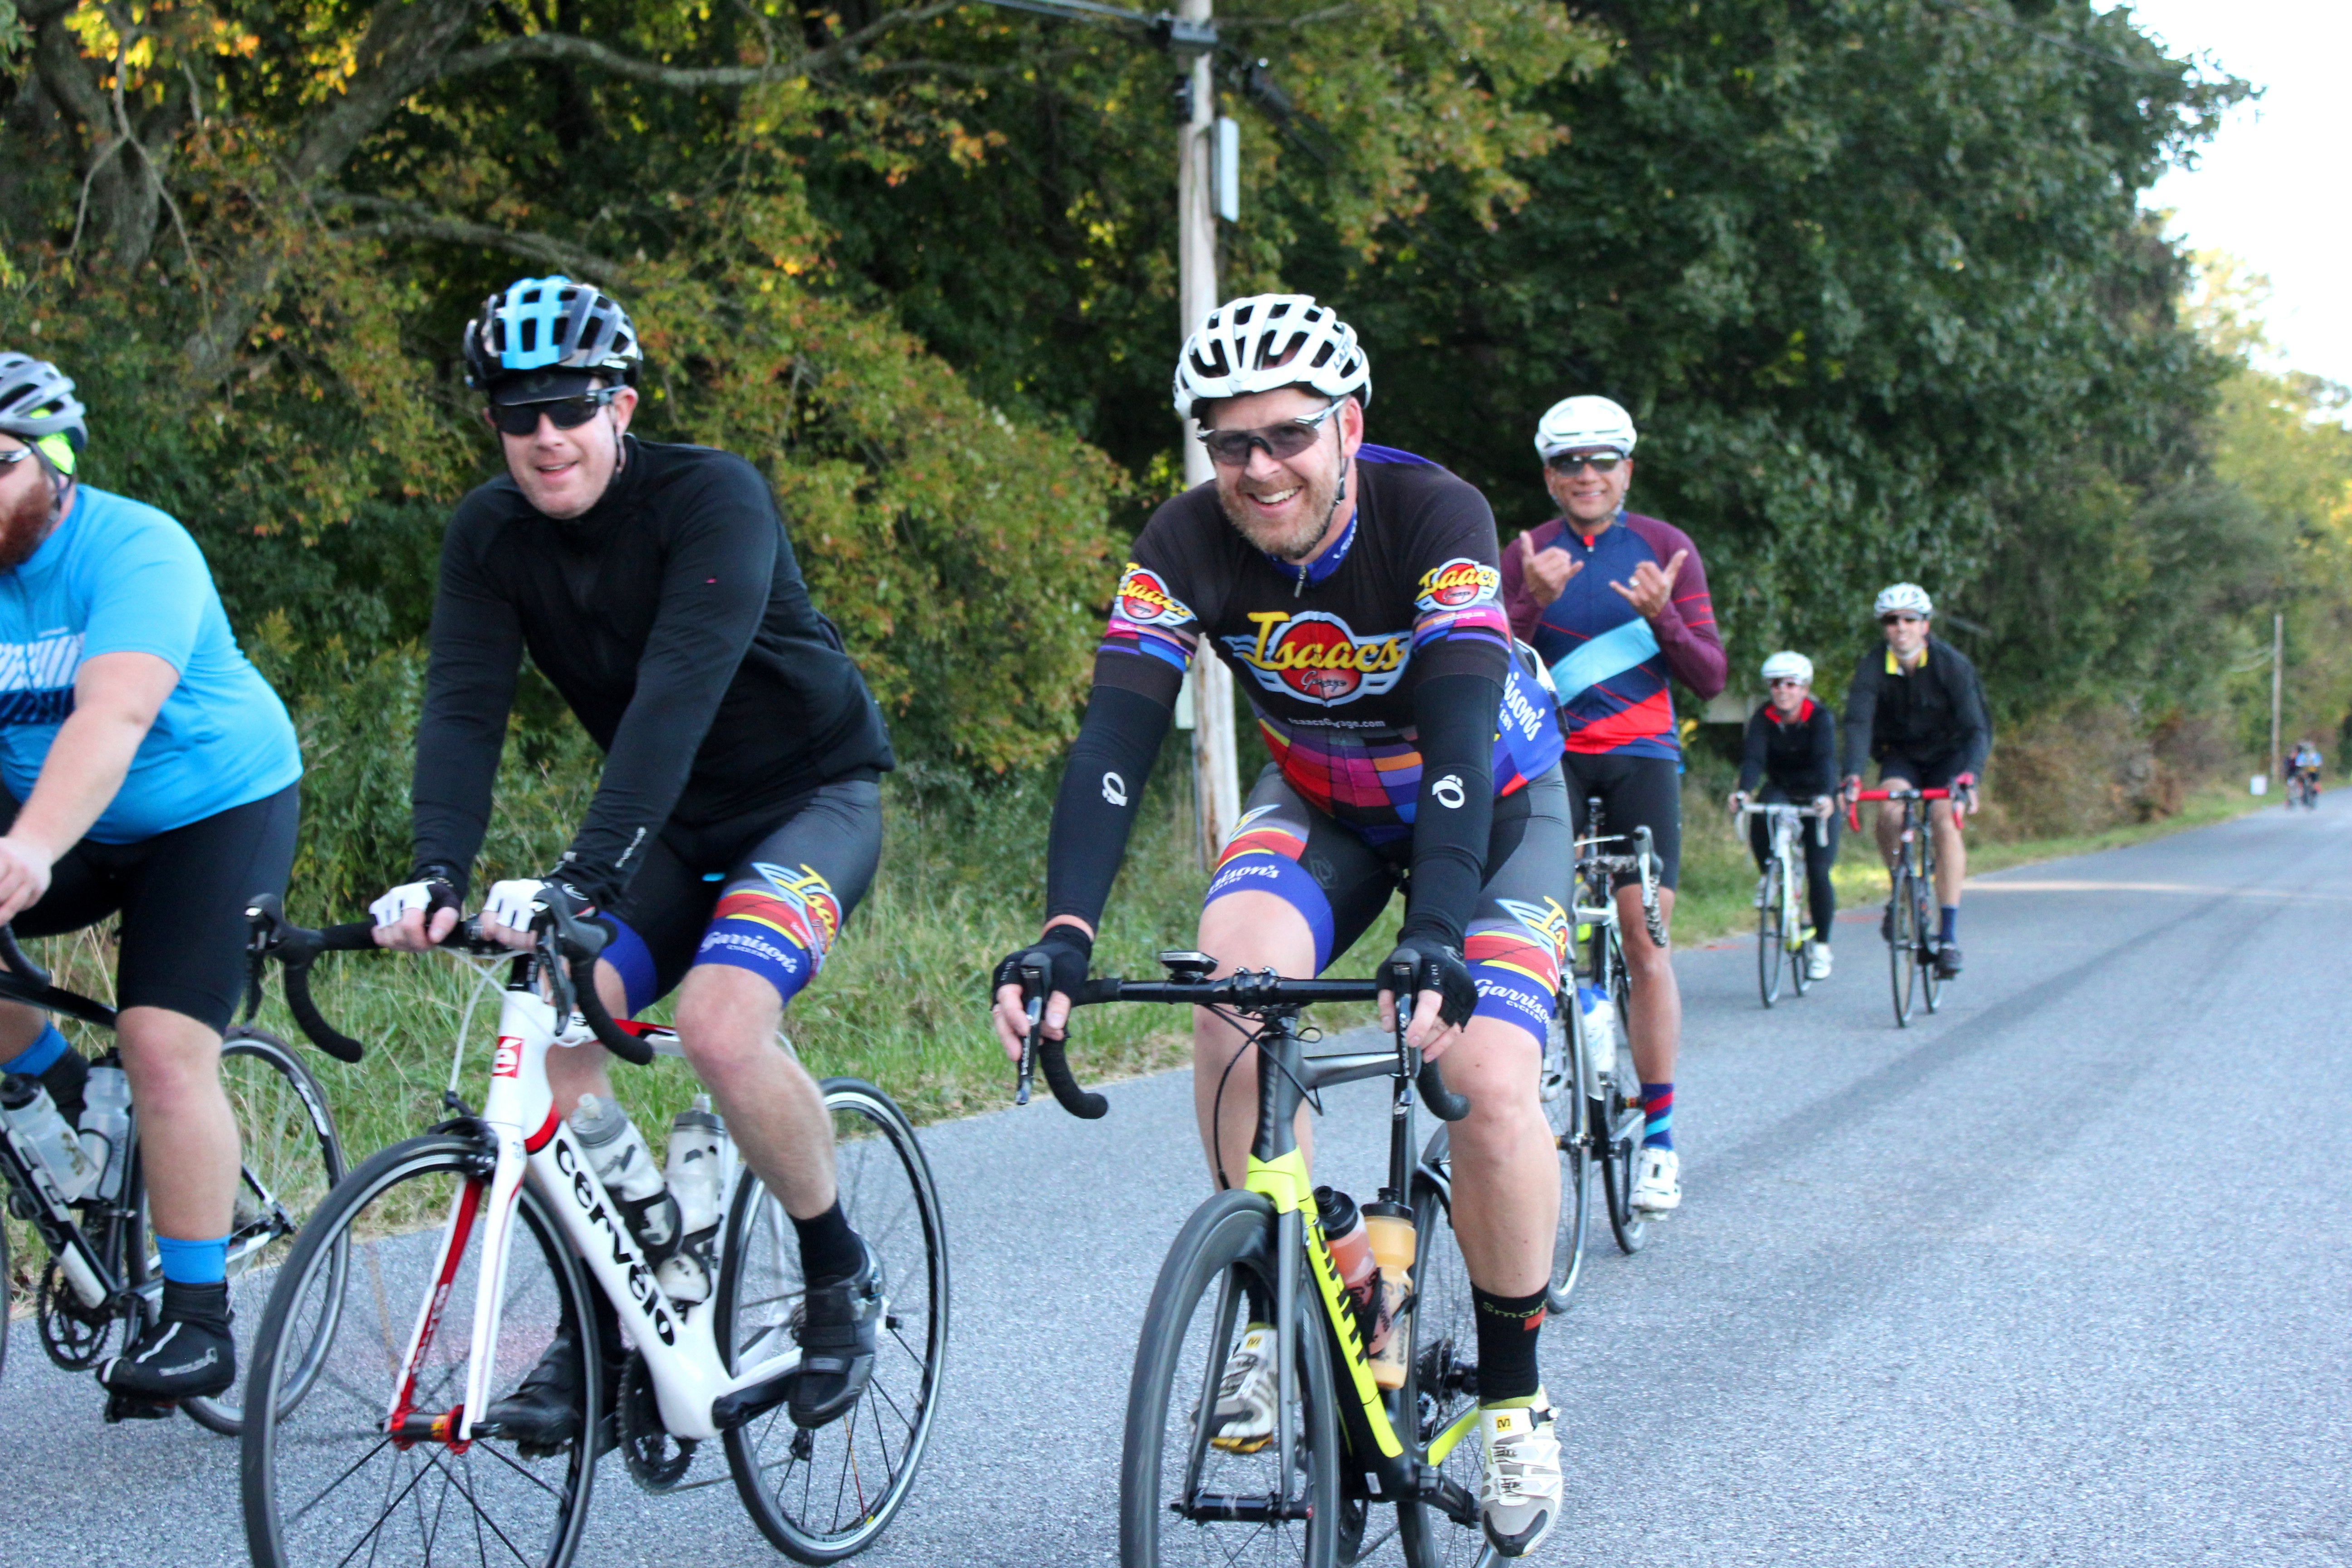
x: 1285, y: 505
x: 28, y: 514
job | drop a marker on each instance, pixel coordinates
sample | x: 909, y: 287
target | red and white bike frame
x: 535, y: 1146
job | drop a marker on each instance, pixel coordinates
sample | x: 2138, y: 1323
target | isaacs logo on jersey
x: 1458, y: 584
x: 1319, y: 658
x: 1144, y: 599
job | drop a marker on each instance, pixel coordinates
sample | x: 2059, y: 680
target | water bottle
x: 1352, y: 1250
x: 1600, y: 1030
x: 1391, y: 1224
x: 617, y: 1153
x: 106, y: 1126
x: 697, y: 1158
x: 33, y: 1117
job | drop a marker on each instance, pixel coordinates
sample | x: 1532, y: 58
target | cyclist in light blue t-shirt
x: 149, y: 772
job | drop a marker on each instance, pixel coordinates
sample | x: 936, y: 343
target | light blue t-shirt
x: 119, y: 577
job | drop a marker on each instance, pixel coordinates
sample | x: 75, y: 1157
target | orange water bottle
x: 1391, y: 1224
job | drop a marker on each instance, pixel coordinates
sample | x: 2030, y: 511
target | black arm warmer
x: 1860, y: 714
x: 1825, y: 758
x: 1101, y: 789
x: 1454, y: 814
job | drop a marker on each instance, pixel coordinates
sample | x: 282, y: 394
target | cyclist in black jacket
x: 1917, y: 706
x: 1791, y: 747
x: 739, y: 818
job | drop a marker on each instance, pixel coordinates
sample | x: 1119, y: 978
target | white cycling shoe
x: 1658, y: 1180
x: 1817, y: 960
x: 1518, y: 1500
x: 1243, y: 1421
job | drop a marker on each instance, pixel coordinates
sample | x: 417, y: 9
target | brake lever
x: 1034, y: 979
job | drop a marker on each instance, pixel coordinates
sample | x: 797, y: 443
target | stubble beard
x: 1296, y: 541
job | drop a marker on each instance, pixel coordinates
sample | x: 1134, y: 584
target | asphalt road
x: 2060, y: 1275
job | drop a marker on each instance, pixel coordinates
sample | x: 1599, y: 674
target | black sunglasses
x: 563, y: 412
x: 1785, y: 680
x: 1231, y: 448
x: 1899, y: 620
x: 1566, y: 464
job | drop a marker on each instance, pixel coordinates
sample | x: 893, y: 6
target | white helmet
x: 1789, y: 666
x: 1579, y: 422
x: 1270, y: 341
x: 1904, y: 598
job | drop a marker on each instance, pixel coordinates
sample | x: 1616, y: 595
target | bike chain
x: 656, y: 1460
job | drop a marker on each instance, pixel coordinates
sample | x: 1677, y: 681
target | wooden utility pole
x: 1215, y: 763
x: 2278, y: 681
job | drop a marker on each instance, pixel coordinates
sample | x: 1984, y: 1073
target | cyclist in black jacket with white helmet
x: 1790, y: 748
x: 1917, y: 706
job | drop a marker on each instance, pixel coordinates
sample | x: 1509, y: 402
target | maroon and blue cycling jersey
x: 1609, y: 664
x: 1331, y: 656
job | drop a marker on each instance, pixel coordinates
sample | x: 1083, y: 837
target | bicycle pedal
x: 134, y: 1407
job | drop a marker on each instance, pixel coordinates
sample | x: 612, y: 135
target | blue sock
x: 193, y: 1262
x: 1951, y: 927
x: 41, y: 1055
x: 1658, y: 1115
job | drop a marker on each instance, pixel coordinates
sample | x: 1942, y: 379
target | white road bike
x: 1781, y: 933
x: 472, y: 1249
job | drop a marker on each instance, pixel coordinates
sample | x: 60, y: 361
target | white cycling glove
x: 387, y: 909
x: 513, y: 904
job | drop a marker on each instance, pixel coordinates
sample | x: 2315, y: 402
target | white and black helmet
x: 1904, y: 598
x: 1582, y: 425
x: 1786, y: 665
x: 1271, y: 340
x: 550, y: 324
x: 36, y: 399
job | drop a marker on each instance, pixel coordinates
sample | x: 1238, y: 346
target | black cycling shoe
x: 187, y: 1353
x: 1947, y: 961
x: 836, y: 1328
x: 542, y: 1416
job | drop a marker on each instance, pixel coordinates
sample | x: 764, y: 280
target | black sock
x: 198, y: 1306
x: 1507, y: 1330
x: 830, y: 1250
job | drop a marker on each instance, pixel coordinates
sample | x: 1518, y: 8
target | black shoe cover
x: 542, y: 1416
x: 186, y: 1354
x: 1947, y: 961
x: 836, y: 1328
x: 66, y: 1079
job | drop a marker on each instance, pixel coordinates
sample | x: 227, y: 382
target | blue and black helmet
x: 38, y: 405
x: 550, y: 324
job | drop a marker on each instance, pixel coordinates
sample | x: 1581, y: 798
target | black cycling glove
x: 1064, y: 953
x: 445, y: 889
x: 1439, y: 968
x: 566, y: 899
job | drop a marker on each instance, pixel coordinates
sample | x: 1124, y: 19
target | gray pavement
x: 2060, y: 1275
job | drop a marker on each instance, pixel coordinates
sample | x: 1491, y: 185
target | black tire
x: 1903, y: 948
x: 1196, y: 1317
x: 1564, y: 1087
x: 1621, y: 1124
x: 1771, y: 945
x: 1924, y: 922
x: 322, y: 1484
x: 1442, y: 1380
x: 289, y: 1160
x: 840, y: 1486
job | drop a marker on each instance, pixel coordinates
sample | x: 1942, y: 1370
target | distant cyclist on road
x: 1615, y: 602
x: 151, y: 774
x: 739, y: 818
x: 2304, y: 765
x: 1791, y: 747
x: 1353, y: 591
x: 1917, y: 706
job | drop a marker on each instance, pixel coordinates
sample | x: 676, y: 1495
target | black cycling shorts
x: 1518, y: 938
x: 769, y: 893
x: 1635, y: 791
x: 1936, y: 772
x: 181, y: 896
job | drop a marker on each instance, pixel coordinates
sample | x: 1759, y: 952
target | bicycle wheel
x: 323, y: 1481
x: 1902, y: 946
x: 1620, y: 1124
x: 1437, y: 1409
x: 1923, y: 923
x: 1562, y: 1089
x: 1770, y: 946
x: 290, y: 1159
x: 820, y: 1495
x: 1181, y: 1499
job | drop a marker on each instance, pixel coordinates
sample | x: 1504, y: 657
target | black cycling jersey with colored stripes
x: 673, y: 618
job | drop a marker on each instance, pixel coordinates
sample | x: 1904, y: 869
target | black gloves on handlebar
x: 1436, y: 967
x: 1063, y: 953
x: 571, y: 904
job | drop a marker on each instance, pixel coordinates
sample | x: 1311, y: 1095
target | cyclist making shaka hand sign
x: 1353, y: 590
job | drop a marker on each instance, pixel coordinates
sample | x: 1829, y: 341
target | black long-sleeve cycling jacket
x: 673, y: 618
